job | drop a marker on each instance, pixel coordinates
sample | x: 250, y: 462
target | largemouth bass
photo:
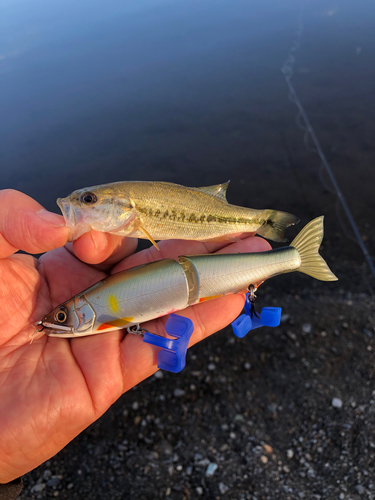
x: 153, y: 290
x: 164, y: 211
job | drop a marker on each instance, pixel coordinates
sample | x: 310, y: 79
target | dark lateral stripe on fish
x: 193, y: 217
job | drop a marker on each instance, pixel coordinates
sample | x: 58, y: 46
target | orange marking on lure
x: 116, y: 322
x: 203, y: 299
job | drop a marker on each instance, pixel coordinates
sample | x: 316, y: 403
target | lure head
x: 102, y: 208
x: 73, y: 318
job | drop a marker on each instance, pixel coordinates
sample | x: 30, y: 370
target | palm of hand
x: 45, y: 397
x: 54, y: 388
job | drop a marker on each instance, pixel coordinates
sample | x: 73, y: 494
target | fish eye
x: 89, y: 198
x: 61, y: 315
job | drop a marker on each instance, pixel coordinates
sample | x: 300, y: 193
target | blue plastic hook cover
x: 172, y: 356
x: 269, y: 316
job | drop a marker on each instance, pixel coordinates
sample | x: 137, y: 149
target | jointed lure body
x: 153, y: 290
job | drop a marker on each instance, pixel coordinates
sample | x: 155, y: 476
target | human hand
x: 54, y: 388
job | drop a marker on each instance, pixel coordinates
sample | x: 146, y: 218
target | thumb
x: 26, y: 225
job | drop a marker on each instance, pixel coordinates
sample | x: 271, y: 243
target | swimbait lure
x: 152, y: 290
x: 163, y: 211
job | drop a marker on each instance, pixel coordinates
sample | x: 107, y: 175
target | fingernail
x: 51, y: 218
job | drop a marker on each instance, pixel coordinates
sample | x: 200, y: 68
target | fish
x: 164, y: 211
x: 159, y: 288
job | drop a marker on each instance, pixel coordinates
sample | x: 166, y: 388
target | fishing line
x: 287, y: 70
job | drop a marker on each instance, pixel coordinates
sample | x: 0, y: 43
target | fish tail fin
x: 277, y: 222
x: 307, y: 243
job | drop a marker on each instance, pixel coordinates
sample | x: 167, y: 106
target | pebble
x: 246, y: 366
x: 306, y: 328
x: 159, y: 374
x: 211, y: 367
x: 54, y: 481
x: 263, y: 459
x: 336, y: 403
x: 284, y: 317
x: 268, y: 449
x: 47, y: 474
x: 135, y: 405
x: 210, y: 471
x: 177, y: 393
x: 70, y: 486
x: 223, y: 488
x: 290, y: 454
x: 199, y: 490
x: 38, y: 488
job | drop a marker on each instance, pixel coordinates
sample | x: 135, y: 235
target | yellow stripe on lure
x: 159, y: 288
x: 164, y: 211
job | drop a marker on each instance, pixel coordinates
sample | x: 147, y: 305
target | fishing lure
x: 163, y: 211
x: 153, y: 290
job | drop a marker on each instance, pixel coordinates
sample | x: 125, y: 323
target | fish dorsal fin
x: 218, y: 190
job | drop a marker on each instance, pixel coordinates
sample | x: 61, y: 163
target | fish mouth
x: 67, y: 211
x: 74, y: 220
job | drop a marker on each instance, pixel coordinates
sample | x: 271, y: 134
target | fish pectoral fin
x: 218, y: 190
x: 147, y: 234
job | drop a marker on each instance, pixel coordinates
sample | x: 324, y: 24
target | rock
x: 210, y: 471
x: 38, y: 488
x: 53, y: 481
x: 284, y: 318
x: 268, y: 449
x: 336, y: 403
x: 290, y: 454
x: 223, y: 488
x: 263, y: 459
x: 135, y: 405
x: 246, y: 366
x: 360, y: 489
x: 239, y: 418
x: 306, y: 328
x: 159, y: 374
x: 211, y: 367
x: 177, y: 393
x: 47, y: 474
x: 199, y: 490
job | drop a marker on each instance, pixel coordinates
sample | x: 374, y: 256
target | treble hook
x: 39, y: 327
x: 252, y: 297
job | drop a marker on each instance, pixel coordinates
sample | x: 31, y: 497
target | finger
x: 102, y: 250
x: 172, y: 249
x: 26, y: 225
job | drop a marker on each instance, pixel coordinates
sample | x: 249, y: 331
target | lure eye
x: 89, y: 198
x: 61, y: 315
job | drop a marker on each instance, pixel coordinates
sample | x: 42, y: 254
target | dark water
x: 191, y: 92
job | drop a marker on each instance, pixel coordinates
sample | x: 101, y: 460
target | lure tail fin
x: 307, y: 242
x: 277, y: 222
